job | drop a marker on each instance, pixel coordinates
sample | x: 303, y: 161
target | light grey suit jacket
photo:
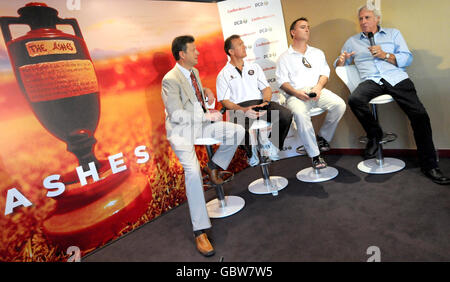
x: 184, y: 113
x: 185, y: 121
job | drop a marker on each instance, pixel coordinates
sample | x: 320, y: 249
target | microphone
x: 370, y: 35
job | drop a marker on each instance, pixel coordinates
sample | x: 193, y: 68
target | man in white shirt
x: 301, y: 71
x: 244, y: 89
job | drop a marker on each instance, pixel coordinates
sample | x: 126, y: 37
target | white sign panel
x: 260, y: 24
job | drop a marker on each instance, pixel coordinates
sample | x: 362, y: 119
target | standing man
x: 186, y: 119
x: 301, y: 71
x: 244, y: 88
x: 382, y: 69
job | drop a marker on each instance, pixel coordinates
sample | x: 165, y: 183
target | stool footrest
x: 387, y: 137
x: 301, y: 150
x: 226, y: 175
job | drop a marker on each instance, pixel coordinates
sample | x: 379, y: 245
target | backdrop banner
x: 260, y: 24
x: 84, y: 157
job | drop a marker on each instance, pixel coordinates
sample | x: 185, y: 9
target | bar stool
x: 379, y: 165
x: 267, y: 184
x: 311, y: 174
x: 222, y: 206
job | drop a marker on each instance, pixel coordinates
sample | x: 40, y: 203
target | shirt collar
x: 292, y: 51
x: 230, y: 65
x: 380, y: 30
x: 186, y: 72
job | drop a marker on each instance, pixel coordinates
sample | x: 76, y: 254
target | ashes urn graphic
x: 56, y: 74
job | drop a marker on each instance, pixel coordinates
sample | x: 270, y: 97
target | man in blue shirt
x: 382, y: 69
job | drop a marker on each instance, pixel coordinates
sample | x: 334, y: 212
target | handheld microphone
x: 370, y: 35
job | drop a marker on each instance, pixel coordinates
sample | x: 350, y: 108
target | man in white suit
x: 188, y: 118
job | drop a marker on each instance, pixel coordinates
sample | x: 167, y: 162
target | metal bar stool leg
x: 380, y: 164
x: 222, y: 206
x: 311, y: 174
x: 267, y: 184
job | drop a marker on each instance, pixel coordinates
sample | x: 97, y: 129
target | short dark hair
x: 228, y: 43
x: 179, y: 44
x: 295, y: 22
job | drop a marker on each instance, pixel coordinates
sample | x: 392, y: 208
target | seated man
x: 382, y: 69
x: 301, y: 71
x: 244, y: 88
x: 187, y: 119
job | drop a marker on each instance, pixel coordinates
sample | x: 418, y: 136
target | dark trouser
x: 279, y: 116
x: 404, y: 93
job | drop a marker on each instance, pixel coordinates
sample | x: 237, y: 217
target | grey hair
x: 373, y: 9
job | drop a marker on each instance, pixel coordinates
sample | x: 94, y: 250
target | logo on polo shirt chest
x: 251, y: 72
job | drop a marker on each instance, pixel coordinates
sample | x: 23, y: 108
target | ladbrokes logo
x: 266, y: 43
x: 239, y: 9
x: 239, y: 22
x: 246, y: 34
x: 262, y: 18
x: 252, y: 59
x: 269, y: 68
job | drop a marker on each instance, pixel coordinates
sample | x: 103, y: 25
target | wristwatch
x: 387, y: 57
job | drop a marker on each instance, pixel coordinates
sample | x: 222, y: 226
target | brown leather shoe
x: 204, y: 246
x: 213, y: 175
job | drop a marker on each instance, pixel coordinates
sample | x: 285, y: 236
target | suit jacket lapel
x: 186, y: 86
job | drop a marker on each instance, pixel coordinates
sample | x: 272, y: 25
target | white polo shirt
x: 291, y: 69
x: 230, y: 85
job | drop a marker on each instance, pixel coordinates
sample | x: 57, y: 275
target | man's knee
x: 339, y: 107
x: 235, y: 133
x: 301, y: 117
x: 355, y: 100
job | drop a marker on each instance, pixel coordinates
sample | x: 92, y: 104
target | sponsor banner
x: 260, y: 23
x: 291, y: 143
x: 84, y: 157
x: 261, y: 26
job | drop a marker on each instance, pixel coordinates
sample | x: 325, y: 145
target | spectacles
x: 306, y: 63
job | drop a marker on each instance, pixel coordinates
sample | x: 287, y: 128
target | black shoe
x: 436, y: 176
x: 371, y: 149
x: 318, y: 162
x: 322, y: 144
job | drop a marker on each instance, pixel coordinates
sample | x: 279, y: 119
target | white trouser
x: 335, y: 107
x: 231, y: 136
